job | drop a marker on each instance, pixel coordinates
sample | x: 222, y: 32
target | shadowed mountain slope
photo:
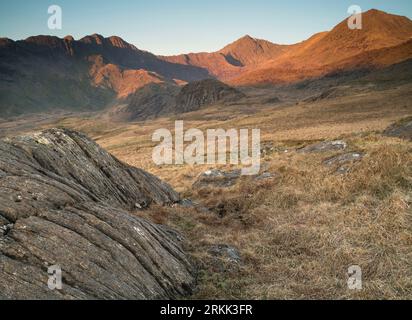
x: 158, y: 99
x: 46, y: 73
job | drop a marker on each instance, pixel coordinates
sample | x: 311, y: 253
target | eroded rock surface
x: 65, y: 201
x: 197, y: 94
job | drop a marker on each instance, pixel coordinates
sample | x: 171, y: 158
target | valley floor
x: 298, y: 232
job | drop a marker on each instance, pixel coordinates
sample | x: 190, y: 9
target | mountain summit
x: 250, y: 61
x: 43, y: 73
x: 340, y: 48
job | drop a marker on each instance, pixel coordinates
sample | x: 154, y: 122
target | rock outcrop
x: 66, y: 202
x: 151, y: 101
x: 197, y: 94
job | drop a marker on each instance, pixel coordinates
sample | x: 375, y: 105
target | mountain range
x: 44, y: 73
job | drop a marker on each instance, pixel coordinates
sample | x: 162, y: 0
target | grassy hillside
x: 298, y: 232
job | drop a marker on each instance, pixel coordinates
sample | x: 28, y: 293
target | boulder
x: 66, y: 202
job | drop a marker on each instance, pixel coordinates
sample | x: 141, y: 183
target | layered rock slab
x: 65, y: 201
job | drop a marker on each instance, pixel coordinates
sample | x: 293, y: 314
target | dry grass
x: 298, y: 233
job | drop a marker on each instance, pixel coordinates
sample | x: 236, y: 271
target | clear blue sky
x: 181, y: 26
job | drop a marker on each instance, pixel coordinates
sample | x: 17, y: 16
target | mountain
x: 158, y: 99
x: 232, y: 59
x: 384, y: 40
x: 45, y: 73
x: 150, y: 101
x: 250, y: 61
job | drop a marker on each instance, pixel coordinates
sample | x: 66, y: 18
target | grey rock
x: 343, y: 161
x: 264, y: 176
x: 401, y: 129
x: 267, y: 148
x: 343, y: 170
x: 75, y: 213
x: 344, y: 158
x: 217, y: 178
x: 4, y: 229
x: 324, y: 146
x: 226, y: 251
x: 226, y: 179
x: 187, y: 203
x: 225, y: 258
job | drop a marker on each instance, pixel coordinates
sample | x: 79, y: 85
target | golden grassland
x: 299, y: 232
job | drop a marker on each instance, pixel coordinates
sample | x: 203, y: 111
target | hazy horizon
x: 169, y: 28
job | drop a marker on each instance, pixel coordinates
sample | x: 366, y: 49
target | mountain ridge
x: 44, y: 73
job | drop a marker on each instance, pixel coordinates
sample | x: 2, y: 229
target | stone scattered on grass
x: 226, y: 258
x: 188, y: 203
x: 226, y: 251
x: 217, y: 178
x: 264, y: 176
x: 343, y: 161
x: 324, y: 146
x: 225, y: 179
x: 401, y: 129
x: 344, y: 158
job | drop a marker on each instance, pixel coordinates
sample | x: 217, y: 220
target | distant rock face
x: 151, y: 101
x: 160, y: 99
x: 65, y: 201
x: 206, y: 92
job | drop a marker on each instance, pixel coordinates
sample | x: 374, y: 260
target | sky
x: 169, y: 27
